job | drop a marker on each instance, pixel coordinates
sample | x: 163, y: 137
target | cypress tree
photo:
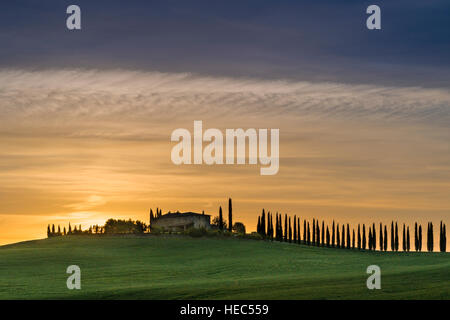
x: 416, y: 238
x: 444, y: 240
x: 333, y: 237
x: 263, y: 223
x: 364, y: 237
x: 53, y: 230
x: 323, y: 233
x: 348, y: 236
x: 70, y: 229
x: 420, y: 238
x: 258, y: 228
x: 298, y: 230
x: 328, y: 237
x: 385, y: 238
x: 359, y: 237
x: 295, y: 229
x: 370, y: 238
x: 230, y: 216
x: 309, y: 236
x: 49, y: 234
x: 396, y: 236
x: 317, y: 233
x: 343, y: 236
x: 404, y: 238
x: 64, y: 231
x: 314, y: 232
x: 392, y: 237
x: 408, y: 243
x: 353, y: 239
x: 430, y: 238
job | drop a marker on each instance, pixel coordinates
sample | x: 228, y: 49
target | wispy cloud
x: 78, y: 96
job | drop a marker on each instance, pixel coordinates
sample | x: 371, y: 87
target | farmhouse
x: 181, y: 221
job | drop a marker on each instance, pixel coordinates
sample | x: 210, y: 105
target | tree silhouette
x: 308, y: 236
x: 221, y: 221
x: 430, y: 237
x: 295, y: 229
x: 328, y: 237
x: 290, y: 231
x: 359, y: 237
x: 323, y: 233
x: 408, y: 243
x: 314, y: 232
x: 353, y: 238
x: 392, y: 237
x: 396, y: 236
x: 416, y: 237
x: 420, y: 238
x: 333, y: 237
x: 343, y: 236
x: 364, y: 237
x: 385, y: 238
x: 230, y: 216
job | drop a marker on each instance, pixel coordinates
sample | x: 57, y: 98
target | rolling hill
x: 180, y: 267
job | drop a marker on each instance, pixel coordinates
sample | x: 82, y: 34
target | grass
x: 177, y: 267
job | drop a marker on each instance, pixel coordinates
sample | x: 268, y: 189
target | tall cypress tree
x: 353, y: 239
x: 359, y: 237
x: 308, y: 236
x: 444, y: 240
x: 328, y: 237
x: 430, y: 237
x: 416, y: 238
x: 420, y: 238
x: 263, y: 223
x: 314, y: 232
x: 370, y: 238
x: 392, y: 237
x: 396, y: 236
x: 295, y: 229
x: 385, y: 238
x: 298, y: 231
x: 348, y: 236
x: 317, y: 233
x: 408, y: 243
x: 230, y: 216
x: 49, y: 233
x: 258, y: 228
x: 364, y: 237
x: 333, y: 236
x: 323, y: 233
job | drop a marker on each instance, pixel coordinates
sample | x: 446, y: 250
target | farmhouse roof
x: 182, y: 214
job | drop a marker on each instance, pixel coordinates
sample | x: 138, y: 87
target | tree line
x: 287, y: 229
x: 112, y: 226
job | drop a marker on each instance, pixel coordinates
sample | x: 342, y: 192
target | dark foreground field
x: 175, y: 267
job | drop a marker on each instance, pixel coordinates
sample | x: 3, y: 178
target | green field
x: 178, y: 267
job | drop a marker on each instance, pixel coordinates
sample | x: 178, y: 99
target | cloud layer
x: 84, y: 95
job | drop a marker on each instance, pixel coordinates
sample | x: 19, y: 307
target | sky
x: 86, y: 116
